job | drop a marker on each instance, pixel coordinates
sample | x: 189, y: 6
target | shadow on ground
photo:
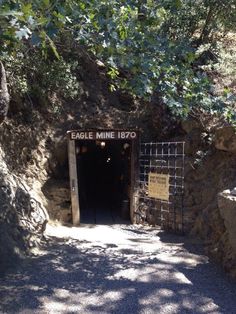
x: 81, y: 277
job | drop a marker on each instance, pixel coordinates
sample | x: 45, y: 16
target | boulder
x: 227, y: 206
x: 225, y: 139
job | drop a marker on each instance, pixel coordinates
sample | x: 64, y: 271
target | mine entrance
x: 103, y: 168
x: 114, y: 176
x: 104, y: 177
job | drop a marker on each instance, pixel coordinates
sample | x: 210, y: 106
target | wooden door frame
x: 73, y: 135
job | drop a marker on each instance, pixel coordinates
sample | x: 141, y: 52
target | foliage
x: 150, y: 47
x: 34, y: 21
x: 41, y: 77
x: 57, y: 77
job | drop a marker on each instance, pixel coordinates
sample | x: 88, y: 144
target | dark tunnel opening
x: 104, y: 178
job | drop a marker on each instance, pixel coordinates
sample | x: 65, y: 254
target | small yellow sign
x: 158, y: 186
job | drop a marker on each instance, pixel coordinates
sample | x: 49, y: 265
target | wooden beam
x: 134, y: 180
x: 73, y: 183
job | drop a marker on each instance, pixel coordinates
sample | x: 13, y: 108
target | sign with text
x: 103, y: 135
x: 158, y: 186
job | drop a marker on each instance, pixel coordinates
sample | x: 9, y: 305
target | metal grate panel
x: 162, y: 158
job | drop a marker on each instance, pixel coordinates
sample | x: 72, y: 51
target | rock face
x: 22, y: 218
x: 58, y: 196
x: 227, y: 206
x: 207, y: 174
x: 211, y: 169
x: 225, y: 139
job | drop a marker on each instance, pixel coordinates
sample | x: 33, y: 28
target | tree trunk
x: 214, y: 9
x: 4, y: 94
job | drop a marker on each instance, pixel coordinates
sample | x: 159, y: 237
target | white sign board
x: 158, y: 186
x: 103, y: 135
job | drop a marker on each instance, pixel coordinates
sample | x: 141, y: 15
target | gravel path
x: 117, y: 269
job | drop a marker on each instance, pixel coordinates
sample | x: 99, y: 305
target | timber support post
x: 73, y: 182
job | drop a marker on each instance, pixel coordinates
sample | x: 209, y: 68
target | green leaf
x: 46, y: 3
x: 26, y: 9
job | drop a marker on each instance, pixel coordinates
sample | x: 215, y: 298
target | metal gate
x: 166, y: 158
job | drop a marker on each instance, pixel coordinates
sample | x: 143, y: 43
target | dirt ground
x: 117, y: 269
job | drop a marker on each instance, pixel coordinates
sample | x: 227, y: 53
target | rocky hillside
x: 34, y: 165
